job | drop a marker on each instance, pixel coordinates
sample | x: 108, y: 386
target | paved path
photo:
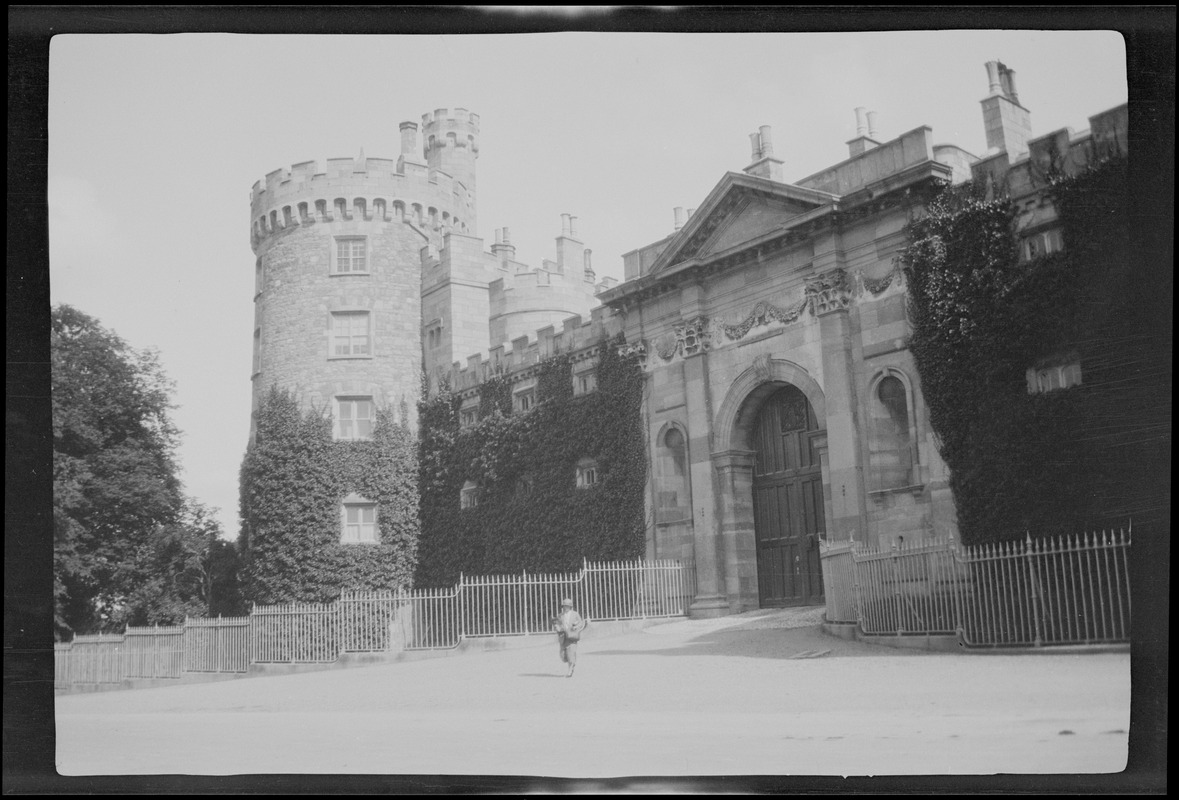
x: 765, y: 693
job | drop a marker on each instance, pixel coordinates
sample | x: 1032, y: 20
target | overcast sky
x: 156, y: 140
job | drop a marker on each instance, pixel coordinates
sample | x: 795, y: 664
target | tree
x: 119, y: 515
x: 187, y: 570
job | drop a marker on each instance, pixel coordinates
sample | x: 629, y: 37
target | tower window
x: 350, y: 334
x: 351, y: 255
x: 524, y: 401
x: 469, y: 495
x: 1060, y: 375
x: 354, y: 418
x: 360, y: 523
x: 587, y: 473
x: 1042, y: 244
x: 585, y: 382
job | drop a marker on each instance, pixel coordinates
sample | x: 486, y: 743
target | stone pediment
x: 740, y: 209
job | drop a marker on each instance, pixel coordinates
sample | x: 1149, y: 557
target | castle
x: 371, y: 268
x: 782, y: 404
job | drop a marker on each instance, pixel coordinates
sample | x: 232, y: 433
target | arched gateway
x: 787, y: 500
x: 770, y: 454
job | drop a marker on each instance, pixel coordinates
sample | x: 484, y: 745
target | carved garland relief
x: 823, y: 294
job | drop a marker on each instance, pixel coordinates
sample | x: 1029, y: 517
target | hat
x: 566, y: 602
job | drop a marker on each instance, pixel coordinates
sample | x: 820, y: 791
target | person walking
x: 569, y: 625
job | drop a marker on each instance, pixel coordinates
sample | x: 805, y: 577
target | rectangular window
x: 468, y: 417
x: 360, y: 523
x: 585, y: 382
x: 1042, y: 244
x: 587, y: 473
x: 350, y: 334
x: 524, y: 401
x: 1059, y: 376
x: 257, y: 350
x: 354, y: 418
x: 350, y: 255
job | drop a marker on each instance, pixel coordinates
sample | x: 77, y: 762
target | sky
x: 155, y: 141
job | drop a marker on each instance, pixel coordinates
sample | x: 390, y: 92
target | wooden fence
x: 1059, y: 591
x: 376, y: 622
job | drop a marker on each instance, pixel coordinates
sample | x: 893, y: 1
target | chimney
x: 409, y: 141
x: 678, y: 211
x: 763, y: 164
x: 589, y: 270
x: 569, y: 248
x: 1007, y: 123
x: 503, y: 249
x: 865, y: 132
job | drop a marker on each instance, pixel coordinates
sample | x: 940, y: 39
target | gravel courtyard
x: 763, y: 693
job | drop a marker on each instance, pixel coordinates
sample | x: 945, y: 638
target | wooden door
x: 787, y: 501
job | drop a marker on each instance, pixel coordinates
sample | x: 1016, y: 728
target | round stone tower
x: 337, y: 294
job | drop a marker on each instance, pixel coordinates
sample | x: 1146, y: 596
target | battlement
x: 371, y: 188
x: 444, y: 129
x: 460, y: 117
x: 574, y: 336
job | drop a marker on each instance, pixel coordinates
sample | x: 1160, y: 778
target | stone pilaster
x: 734, y: 470
x: 844, y: 473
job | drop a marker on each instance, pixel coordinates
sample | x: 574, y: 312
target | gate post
x: 896, y: 589
x: 1033, y: 575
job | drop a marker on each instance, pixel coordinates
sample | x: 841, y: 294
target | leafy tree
x: 128, y: 547
x: 114, y: 474
x: 188, y: 570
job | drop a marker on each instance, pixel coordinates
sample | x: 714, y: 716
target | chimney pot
x: 993, y: 77
x: 678, y: 211
x: 755, y: 146
x: 767, y: 145
x: 861, y: 124
x: 872, y: 124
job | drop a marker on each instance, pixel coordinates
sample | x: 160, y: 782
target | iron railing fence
x: 220, y: 644
x: 294, y: 633
x: 477, y: 606
x: 1054, y: 591
x: 525, y: 604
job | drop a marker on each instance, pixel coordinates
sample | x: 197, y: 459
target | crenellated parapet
x: 364, y: 188
x: 445, y: 128
x: 1053, y: 155
x: 575, y: 336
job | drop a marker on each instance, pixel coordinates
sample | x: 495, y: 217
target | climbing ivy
x: 1052, y: 462
x: 530, y: 513
x: 293, y: 480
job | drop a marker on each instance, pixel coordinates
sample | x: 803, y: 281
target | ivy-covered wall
x: 530, y: 514
x: 1061, y: 461
x: 293, y: 481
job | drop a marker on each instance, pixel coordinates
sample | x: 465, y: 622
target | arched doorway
x: 787, y: 500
